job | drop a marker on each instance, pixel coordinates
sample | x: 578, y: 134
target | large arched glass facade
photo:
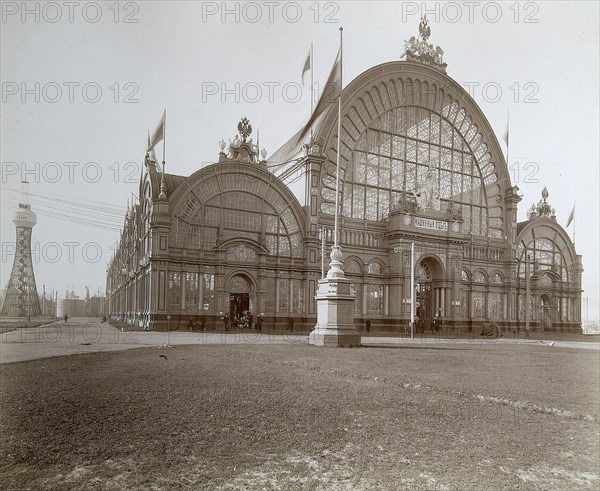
x: 238, y: 206
x: 390, y: 156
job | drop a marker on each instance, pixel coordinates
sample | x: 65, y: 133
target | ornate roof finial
x: 417, y: 48
x: 424, y: 29
x: 545, y: 193
x: 244, y: 128
x: 240, y: 149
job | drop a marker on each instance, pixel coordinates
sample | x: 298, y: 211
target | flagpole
x: 339, y: 139
x: 312, y: 71
x: 164, y: 142
x: 574, y: 222
x: 507, y: 136
x: 163, y: 187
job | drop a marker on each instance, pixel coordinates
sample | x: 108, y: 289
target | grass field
x: 299, y: 417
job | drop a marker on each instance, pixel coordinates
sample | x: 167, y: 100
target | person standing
x: 291, y: 323
x: 226, y: 322
x: 203, y: 322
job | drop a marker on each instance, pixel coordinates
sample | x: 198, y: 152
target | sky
x: 83, y: 84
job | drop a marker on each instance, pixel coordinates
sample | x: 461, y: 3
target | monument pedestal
x: 335, y: 310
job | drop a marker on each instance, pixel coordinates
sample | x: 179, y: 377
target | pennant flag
x: 307, y: 65
x: 571, y: 216
x: 331, y: 91
x: 506, y: 134
x: 159, y: 133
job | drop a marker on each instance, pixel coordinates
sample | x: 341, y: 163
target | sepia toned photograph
x: 326, y: 245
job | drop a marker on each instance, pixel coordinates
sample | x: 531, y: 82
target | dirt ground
x: 292, y: 416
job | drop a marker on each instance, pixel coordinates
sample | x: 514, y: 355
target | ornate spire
x: 422, y: 52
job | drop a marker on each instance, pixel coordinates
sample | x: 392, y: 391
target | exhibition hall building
x: 420, y: 169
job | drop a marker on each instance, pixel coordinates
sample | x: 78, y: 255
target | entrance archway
x: 429, y: 298
x: 546, y: 312
x: 239, y: 287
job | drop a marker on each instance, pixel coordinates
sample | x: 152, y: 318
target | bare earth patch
x: 299, y: 417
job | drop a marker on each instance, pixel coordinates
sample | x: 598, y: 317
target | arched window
x: 351, y: 266
x: 479, y: 277
x: 375, y: 268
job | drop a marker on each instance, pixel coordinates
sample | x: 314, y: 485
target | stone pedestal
x: 335, y: 309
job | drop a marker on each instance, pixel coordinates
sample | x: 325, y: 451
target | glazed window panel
x: 411, y: 173
x: 371, y: 204
x: 271, y: 223
x: 479, y: 305
x: 174, y: 290
x: 411, y: 150
x: 464, y: 304
x: 284, y: 295
x: 496, y: 306
x: 372, y: 169
x: 384, y: 172
x: 374, y: 300
x: 398, y: 147
x: 269, y: 284
x: 284, y: 246
x: 208, y: 292
x: 397, y: 174
x: 191, y: 291
x: 384, y: 204
x: 298, y: 296
x: 271, y: 244
x: 358, y: 202
x: 358, y: 299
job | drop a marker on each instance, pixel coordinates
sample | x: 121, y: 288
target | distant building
x: 420, y: 164
x: 74, y: 306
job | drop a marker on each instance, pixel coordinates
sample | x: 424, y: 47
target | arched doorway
x: 429, y: 300
x: 423, y: 282
x: 239, y: 287
x: 546, y: 312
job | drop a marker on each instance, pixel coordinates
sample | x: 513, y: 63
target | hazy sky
x: 82, y: 85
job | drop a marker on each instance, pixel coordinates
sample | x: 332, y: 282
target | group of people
x: 201, y: 325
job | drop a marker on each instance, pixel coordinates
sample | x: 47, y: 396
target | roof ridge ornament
x: 422, y: 52
x: 242, y: 149
x: 542, y: 208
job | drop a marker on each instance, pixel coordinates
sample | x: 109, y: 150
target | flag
x: 506, y: 134
x: 307, y: 65
x: 331, y: 91
x: 571, y: 216
x: 159, y: 133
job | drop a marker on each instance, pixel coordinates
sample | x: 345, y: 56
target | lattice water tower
x: 21, y: 298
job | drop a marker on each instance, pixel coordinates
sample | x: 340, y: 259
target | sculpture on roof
x: 422, y: 51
